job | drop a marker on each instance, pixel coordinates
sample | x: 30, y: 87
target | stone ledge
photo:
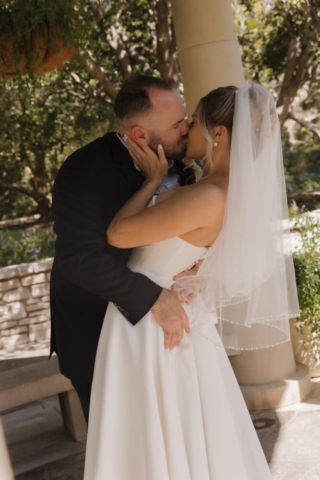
x: 43, y: 265
x: 12, y: 311
x: 24, y: 269
x: 9, y: 284
x: 17, y: 310
x: 8, y: 272
x: 38, y: 313
x: 33, y: 279
x: 25, y: 304
x: 14, y: 331
x: 6, y: 325
x: 38, y: 306
x: 40, y: 290
x: 40, y: 332
x: 32, y: 320
x: 14, y: 340
x: 21, y: 293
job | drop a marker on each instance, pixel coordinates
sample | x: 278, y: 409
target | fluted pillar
x: 209, y: 57
x: 209, y: 53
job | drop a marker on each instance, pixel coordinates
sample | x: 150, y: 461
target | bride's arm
x: 154, y: 168
x: 192, y: 208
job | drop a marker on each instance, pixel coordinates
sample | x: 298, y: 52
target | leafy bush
x: 302, y: 165
x: 15, y: 244
x: 307, y: 269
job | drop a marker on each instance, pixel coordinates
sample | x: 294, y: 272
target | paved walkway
x: 41, y: 449
x: 292, y: 443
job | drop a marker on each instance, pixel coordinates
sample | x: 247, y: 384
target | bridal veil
x: 248, y: 275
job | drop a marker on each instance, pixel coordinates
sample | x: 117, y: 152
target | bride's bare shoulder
x: 204, y: 200
x: 199, y: 192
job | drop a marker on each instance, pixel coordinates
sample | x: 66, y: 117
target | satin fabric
x: 161, y: 414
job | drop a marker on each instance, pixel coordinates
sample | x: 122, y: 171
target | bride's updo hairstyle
x: 214, y: 110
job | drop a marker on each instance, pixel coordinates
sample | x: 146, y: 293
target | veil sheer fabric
x: 248, y: 280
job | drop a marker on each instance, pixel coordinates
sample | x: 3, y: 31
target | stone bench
x: 38, y: 380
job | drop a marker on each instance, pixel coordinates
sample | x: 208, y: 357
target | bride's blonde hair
x: 213, y: 110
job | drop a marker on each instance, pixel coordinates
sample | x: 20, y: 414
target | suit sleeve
x: 81, y: 213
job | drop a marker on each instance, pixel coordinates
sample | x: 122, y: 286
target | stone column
x: 209, y: 54
x: 209, y: 57
x: 5, y: 464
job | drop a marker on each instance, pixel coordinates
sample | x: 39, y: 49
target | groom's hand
x: 171, y: 316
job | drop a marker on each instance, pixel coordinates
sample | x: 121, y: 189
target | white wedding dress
x: 161, y: 414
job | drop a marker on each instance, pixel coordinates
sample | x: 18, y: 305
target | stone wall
x: 24, y: 304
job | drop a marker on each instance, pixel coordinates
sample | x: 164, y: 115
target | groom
x: 91, y: 186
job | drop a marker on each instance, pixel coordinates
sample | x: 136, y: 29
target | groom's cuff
x: 141, y: 302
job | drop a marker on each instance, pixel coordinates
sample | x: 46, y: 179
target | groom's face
x: 165, y: 123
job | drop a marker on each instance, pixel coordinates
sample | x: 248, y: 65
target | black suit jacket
x: 91, y: 186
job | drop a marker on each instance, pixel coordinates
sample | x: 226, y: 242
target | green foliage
x: 39, y: 127
x: 302, y: 166
x: 265, y: 30
x: 14, y: 245
x: 32, y: 13
x: 16, y: 205
x: 44, y: 119
x: 133, y: 24
x: 307, y: 269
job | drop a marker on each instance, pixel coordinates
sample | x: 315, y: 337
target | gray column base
x: 293, y: 389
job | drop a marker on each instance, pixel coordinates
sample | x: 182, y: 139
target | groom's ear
x: 140, y: 135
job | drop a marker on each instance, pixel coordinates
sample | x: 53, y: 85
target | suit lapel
x: 133, y: 177
x: 121, y: 155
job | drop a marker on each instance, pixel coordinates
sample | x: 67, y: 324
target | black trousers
x: 84, y: 394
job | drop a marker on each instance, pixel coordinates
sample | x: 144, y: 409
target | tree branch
x: 306, y: 125
x: 302, y: 63
x: 167, y: 64
x: 91, y: 93
x: 291, y: 86
x: 299, y: 73
x: 115, y: 41
x: 173, y: 45
x: 302, y: 196
x: 137, y: 56
x: 18, y: 188
x: 6, y: 193
x: 290, y: 67
x: 99, y: 74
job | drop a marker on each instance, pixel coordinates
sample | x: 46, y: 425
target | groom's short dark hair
x: 133, y: 97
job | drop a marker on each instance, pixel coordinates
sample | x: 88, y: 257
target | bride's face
x: 196, y: 145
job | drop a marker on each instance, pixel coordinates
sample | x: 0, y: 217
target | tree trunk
x: 44, y: 208
x: 166, y: 44
x: 40, y: 186
x: 295, y: 77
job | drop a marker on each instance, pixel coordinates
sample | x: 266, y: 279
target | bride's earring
x: 215, y: 143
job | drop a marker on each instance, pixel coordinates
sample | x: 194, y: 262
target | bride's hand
x: 153, y: 166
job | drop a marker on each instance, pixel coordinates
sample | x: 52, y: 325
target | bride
x: 178, y: 413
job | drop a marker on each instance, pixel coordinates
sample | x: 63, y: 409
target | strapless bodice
x: 163, y: 260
